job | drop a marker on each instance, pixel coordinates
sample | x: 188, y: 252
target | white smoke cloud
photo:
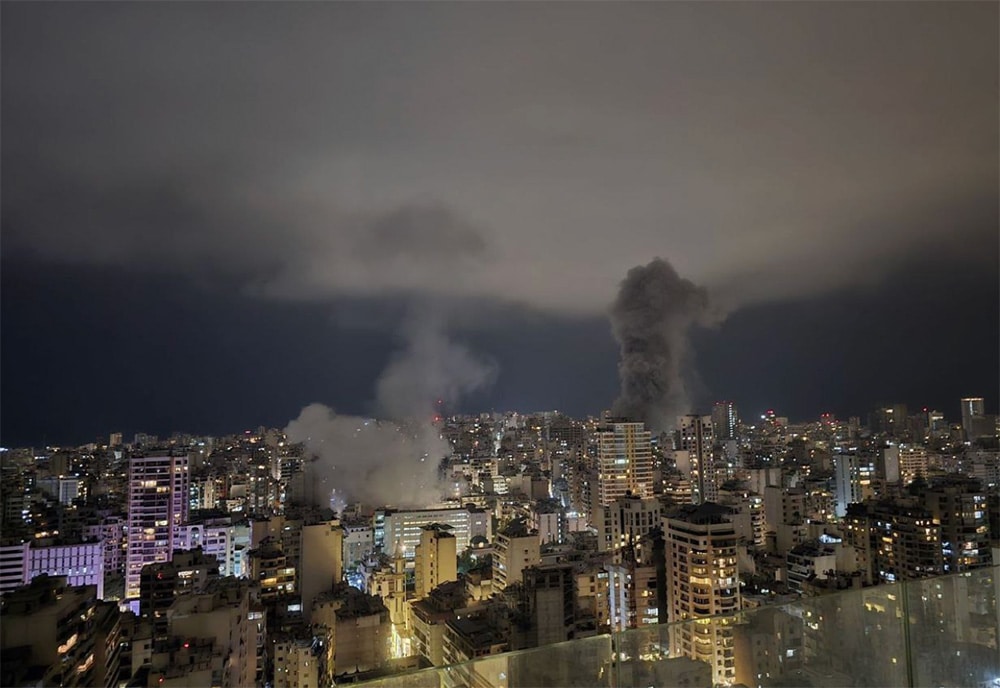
x: 394, y: 460
x: 370, y: 461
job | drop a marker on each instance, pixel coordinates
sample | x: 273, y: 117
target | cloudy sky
x: 214, y: 214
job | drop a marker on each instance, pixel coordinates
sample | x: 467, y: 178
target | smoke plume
x: 650, y: 319
x: 394, y: 460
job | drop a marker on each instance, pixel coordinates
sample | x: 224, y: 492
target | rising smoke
x: 651, y: 319
x: 394, y: 460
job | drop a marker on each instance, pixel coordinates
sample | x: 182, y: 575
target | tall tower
x: 724, y: 420
x: 624, y: 462
x: 973, y: 408
x: 695, y: 436
x: 852, y: 480
x: 702, y: 581
x: 157, y: 506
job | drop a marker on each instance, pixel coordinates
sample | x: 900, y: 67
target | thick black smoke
x: 650, y: 319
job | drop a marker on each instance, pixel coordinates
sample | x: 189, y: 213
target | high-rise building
x: 894, y: 540
x: 724, y: 420
x: 960, y: 506
x: 625, y: 461
x: 695, y: 436
x: 852, y: 479
x: 702, y: 581
x: 436, y: 559
x: 973, y: 408
x: 157, y: 506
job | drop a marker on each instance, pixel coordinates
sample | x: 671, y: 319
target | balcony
x: 942, y: 631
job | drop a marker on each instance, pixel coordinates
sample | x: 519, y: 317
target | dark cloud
x: 763, y: 145
x: 490, y: 159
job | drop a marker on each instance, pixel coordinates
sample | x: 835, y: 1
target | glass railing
x: 939, y: 632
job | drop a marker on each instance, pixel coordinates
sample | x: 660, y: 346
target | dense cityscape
x: 291, y: 292
x: 245, y: 560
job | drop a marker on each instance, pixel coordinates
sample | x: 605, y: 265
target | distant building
x: 853, y: 475
x: 402, y: 527
x: 62, y: 488
x: 695, y: 439
x: 724, y: 420
x: 973, y: 409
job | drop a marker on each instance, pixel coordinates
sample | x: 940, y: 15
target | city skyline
x: 227, y: 213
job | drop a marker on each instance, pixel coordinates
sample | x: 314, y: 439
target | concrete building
x: 625, y: 520
x: 903, y: 463
x: 894, y: 541
x: 725, y: 420
x: 223, y: 613
x: 296, y: 664
x: 358, y: 543
x: 157, y: 506
x: 14, y: 559
x: 428, y: 617
x: 62, y: 488
x: 187, y: 571
x: 702, y: 581
x: 624, y: 462
x: 960, y: 506
x: 321, y: 561
x: 973, y: 409
x: 515, y: 549
x: 52, y: 634
x: 853, y: 475
x: 109, y: 530
x: 436, y: 559
x: 550, y: 603
x: 360, y: 632
x: 82, y: 563
x: 403, y: 527
x: 695, y: 438
x: 268, y: 566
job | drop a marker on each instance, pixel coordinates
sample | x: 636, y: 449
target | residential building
x: 436, y: 559
x: 515, y: 549
x: 624, y: 462
x: 157, y: 506
x: 702, y: 581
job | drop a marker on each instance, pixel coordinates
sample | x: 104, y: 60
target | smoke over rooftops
x: 651, y: 319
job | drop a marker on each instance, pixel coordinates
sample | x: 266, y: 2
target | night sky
x: 214, y: 214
